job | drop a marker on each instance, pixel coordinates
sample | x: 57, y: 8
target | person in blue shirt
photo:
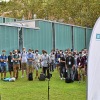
x: 30, y: 58
x: 3, y: 59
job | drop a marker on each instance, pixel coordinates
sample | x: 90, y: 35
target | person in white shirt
x: 52, y: 60
x: 45, y: 61
x: 24, y: 61
x: 37, y: 62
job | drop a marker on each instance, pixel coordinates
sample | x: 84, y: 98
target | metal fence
x: 50, y: 35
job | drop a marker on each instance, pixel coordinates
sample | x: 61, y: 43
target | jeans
x: 70, y: 73
x: 62, y: 71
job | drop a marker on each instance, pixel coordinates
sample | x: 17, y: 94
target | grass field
x: 22, y: 89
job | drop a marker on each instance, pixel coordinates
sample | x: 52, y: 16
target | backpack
x: 30, y: 76
x: 42, y: 77
x: 76, y: 76
x: 9, y: 79
x: 68, y: 80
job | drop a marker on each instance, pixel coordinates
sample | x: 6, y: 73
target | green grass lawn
x: 22, y: 89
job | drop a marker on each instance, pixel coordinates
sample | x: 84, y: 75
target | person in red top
x: 81, y: 68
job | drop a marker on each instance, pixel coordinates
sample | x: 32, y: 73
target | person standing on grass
x: 30, y: 59
x: 3, y: 59
x: 57, y: 59
x: 70, y: 65
x: 62, y: 67
x: 10, y: 64
x: 81, y: 67
x: 45, y: 61
x: 52, y: 60
x: 37, y: 62
x: 24, y: 62
x: 16, y: 64
x: 19, y: 53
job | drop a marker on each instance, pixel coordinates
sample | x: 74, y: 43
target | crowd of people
x: 68, y: 63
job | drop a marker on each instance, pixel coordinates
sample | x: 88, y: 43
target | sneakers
x: 61, y: 78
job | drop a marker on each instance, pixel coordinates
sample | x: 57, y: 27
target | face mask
x: 69, y: 54
x: 45, y: 54
x: 61, y: 55
x: 29, y: 52
x: 23, y: 50
x: 60, y: 52
x: 36, y: 52
x: 16, y: 53
x: 3, y: 53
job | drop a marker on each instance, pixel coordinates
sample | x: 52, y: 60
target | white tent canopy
x: 93, y: 92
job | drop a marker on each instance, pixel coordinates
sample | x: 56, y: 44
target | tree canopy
x: 78, y: 12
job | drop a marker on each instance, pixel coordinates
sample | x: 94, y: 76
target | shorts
x: 81, y: 71
x: 24, y: 66
x: 3, y: 68
x: 30, y: 66
x: 10, y: 68
x: 16, y: 67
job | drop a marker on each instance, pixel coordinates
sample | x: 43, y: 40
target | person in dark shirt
x: 62, y: 66
x: 70, y: 65
x: 81, y: 67
x: 10, y: 64
x: 57, y: 57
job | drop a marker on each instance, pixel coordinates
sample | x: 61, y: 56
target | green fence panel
x: 30, y: 38
x: 1, y: 19
x: 8, y: 38
x: 35, y: 38
x: 63, y: 36
x: 78, y: 38
x: 45, y: 40
x: 39, y: 39
x: 88, y: 36
x: 9, y: 20
x: 27, y: 38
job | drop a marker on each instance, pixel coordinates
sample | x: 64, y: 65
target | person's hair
x: 29, y: 50
x: 3, y: 50
x: 43, y: 51
x: 36, y: 51
x: 58, y: 52
x: 18, y: 50
x: 10, y: 52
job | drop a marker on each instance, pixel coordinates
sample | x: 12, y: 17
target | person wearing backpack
x: 3, y: 59
x: 16, y: 59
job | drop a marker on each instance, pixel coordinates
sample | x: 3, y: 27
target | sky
x: 4, y: 0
